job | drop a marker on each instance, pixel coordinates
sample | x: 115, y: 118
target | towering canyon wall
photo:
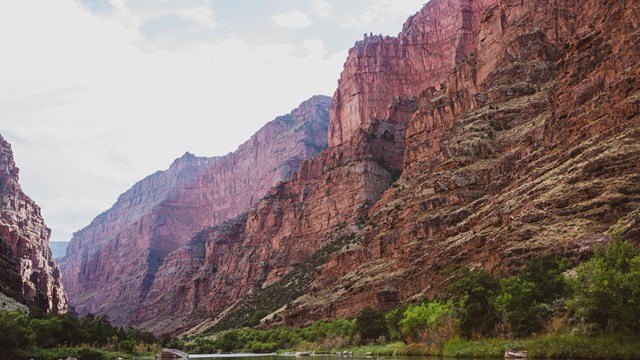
x: 484, y: 133
x: 28, y: 273
x: 329, y: 197
x: 112, y: 263
x: 529, y: 147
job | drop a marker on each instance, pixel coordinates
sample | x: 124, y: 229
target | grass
x: 80, y: 353
x: 566, y: 346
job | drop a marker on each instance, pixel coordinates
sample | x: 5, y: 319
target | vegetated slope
x: 112, y: 263
x: 529, y: 145
x: 28, y: 274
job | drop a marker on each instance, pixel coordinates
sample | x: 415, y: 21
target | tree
x: 370, y: 324
x: 472, y: 292
x: 15, y: 332
x: 607, y: 288
x: 431, y: 322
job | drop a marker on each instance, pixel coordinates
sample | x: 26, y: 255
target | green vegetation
x: 285, y: 290
x: 39, y: 335
x: 592, y: 311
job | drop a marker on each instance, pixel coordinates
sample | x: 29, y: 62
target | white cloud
x: 322, y: 8
x: 294, y: 19
x: 89, y: 113
x: 381, y: 12
x: 201, y: 16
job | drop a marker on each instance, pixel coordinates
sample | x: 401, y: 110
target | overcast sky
x: 97, y: 94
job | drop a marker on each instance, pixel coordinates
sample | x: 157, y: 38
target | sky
x: 97, y: 94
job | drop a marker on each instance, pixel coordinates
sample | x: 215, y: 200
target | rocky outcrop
x: 330, y: 195
x: 485, y: 133
x: 530, y: 146
x: 381, y: 68
x: 28, y: 273
x: 112, y: 263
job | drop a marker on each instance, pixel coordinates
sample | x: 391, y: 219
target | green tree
x: 607, y: 288
x: 15, y: 332
x: 472, y: 291
x: 370, y: 324
x: 425, y: 322
x: 518, y: 306
x: 392, y: 319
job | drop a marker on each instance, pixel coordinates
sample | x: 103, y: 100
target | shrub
x: 472, y: 292
x: 518, y: 306
x: 431, y: 323
x: 370, y: 324
x: 608, y: 288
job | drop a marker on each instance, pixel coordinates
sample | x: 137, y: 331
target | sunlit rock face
x: 112, y: 263
x: 28, y: 273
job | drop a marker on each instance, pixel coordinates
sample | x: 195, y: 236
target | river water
x: 314, y: 357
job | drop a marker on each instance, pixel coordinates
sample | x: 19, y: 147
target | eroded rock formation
x: 329, y: 197
x: 486, y: 132
x: 28, y: 273
x: 112, y: 263
x: 530, y: 146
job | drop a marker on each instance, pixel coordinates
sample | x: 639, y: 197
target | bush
x: 431, y: 323
x: 15, y: 331
x: 518, y: 306
x: 370, y: 324
x: 392, y: 319
x: 607, y: 288
x: 472, y: 292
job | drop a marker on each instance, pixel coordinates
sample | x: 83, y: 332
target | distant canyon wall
x: 112, y: 263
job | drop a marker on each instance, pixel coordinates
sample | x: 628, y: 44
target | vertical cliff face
x: 381, y: 68
x: 530, y: 146
x: 329, y: 197
x: 112, y: 263
x: 28, y: 273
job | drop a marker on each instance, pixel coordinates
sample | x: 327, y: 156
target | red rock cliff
x: 329, y: 197
x: 531, y: 146
x: 28, y: 273
x: 380, y: 68
x: 111, y: 264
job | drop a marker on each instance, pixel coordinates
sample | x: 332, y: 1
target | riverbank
x: 539, y: 347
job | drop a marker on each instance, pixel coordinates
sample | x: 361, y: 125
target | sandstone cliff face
x: 238, y: 259
x: 531, y: 146
x: 112, y: 263
x: 379, y: 69
x: 329, y: 197
x: 28, y: 273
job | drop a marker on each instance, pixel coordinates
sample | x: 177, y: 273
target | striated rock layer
x: 112, y: 263
x: 28, y: 273
x: 524, y: 141
x: 329, y: 197
x: 530, y: 146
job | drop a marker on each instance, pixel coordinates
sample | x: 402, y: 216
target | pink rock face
x: 380, y: 68
x: 111, y: 264
x: 531, y: 147
x: 331, y: 193
x: 27, y: 271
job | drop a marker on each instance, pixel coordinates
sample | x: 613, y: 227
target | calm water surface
x: 314, y: 357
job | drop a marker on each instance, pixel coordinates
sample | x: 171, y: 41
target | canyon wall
x: 531, y: 146
x: 112, y: 263
x: 330, y: 195
x: 485, y: 133
x: 28, y: 273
